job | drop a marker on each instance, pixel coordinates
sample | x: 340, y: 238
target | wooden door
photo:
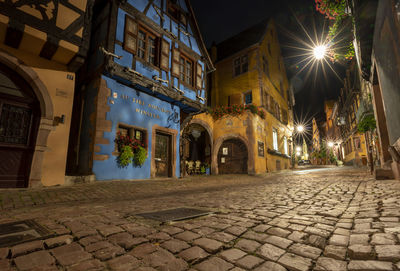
x: 232, y: 157
x: 163, y: 155
x: 19, y: 121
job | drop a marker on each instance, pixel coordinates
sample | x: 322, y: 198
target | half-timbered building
x: 144, y: 75
x: 42, y: 44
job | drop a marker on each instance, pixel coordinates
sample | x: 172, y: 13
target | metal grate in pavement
x: 21, y: 231
x: 175, y: 214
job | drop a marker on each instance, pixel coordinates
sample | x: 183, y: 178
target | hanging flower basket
x: 235, y: 110
x: 130, y: 151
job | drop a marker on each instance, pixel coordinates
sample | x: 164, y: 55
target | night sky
x: 221, y: 19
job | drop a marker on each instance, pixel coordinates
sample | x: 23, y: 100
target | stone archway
x: 217, y: 146
x: 197, y: 143
x: 46, y: 112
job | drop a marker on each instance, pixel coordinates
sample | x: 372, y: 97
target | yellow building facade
x: 249, y: 74
x: 41, y: 47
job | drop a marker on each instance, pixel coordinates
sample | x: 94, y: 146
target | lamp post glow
x: 330, y: 144
x: 298, y: 149
x: 319, y: 52
x: 300, y: 128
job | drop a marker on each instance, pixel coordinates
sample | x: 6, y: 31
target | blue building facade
x: 145, y: 74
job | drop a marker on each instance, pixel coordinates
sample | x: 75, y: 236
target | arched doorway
x: 197, y: 147
x: 233, y: 157
x: 19, y: 122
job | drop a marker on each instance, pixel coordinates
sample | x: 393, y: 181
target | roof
x: 243, y: 40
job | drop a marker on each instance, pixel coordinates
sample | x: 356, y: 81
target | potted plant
x: 206, y: 169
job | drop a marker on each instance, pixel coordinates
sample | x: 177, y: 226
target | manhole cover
x: 21, y: 231
x: 175, y: 214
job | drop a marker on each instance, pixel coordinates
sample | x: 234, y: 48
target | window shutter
x: 164, y: 61
x: 175, y: 62
x: 130, y: 37
x: 199, y: 82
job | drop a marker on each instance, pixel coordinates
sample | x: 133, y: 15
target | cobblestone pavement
x: 322, y: 219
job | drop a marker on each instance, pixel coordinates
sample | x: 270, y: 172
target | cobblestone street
x: 315, y: 219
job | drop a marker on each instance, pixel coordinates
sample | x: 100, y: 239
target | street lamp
x: 319, y: 52
x: 298, y: 148
x: 330, y: 144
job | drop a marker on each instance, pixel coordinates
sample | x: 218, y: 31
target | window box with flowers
x: 130, y: 150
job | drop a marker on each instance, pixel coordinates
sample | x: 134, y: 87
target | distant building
x: 316, y: 141
x: 145, y: 74
x: 250, y: 74
x: 42, y: 45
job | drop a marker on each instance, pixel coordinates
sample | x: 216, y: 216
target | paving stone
x: 203, y: 230
x: 369, y: 266
x: 208, y: 244
x: 108, y: 230
x: 297, y: 236
x: 388, y: 252
x: 339, y: 240
x: 247, y: 245
x: 58, y: 241
x: 317, y: 241
x: 5, y: 264
x: 236, y: 230
x: 279, y: 241
x: 270, y: 252
x: 98, y: 246
x: 187, y: 236
x: 159, y: 236
x: 171, y: 230
x: 222, y: 236
x: 294, y: 262
x: 249, y: 262
x: 25, y: 248
x: 175, y: 245
x: 383, y: 239
x: 261, y: 228
x: 232, y: 255
x: 158, y: 258
x: 360, y: 252
x: 84, y: 233
x: 278, y: 232
x: 70, y: 254
x: 305, y: 251
x: 174, y: 265
x: 257, y: 236
x: 142, y: 250
x: 270, y: 266
x: 342, y: 231
x: 215, y: 264
x: 316, y: 231
x: 89, y: 265
x: 137, y: 230
x: 344, y: 225
x: 4, y: 252
x: 335, y: 252
x: 108, y: 253
x: 329, y: 264
x: 359, y: 239
x: 39, y: 259
x: 125, y: 240
x: 193, y: 254
x: 90, y: 239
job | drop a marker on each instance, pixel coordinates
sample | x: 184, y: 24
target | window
x: 147, y: 47
x: 285, y: 146
x: 186, y: 70
x: 275, y: 139
x: 277, y: 111
x: 175, y: 12
x: 132, y: 133
x: 248, y: 98
x: 240, y: 65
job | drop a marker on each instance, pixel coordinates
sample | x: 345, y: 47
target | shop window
x: 186, y: 70
x: 241, y: 65
x: 248, y: 97
x: 275, y: 139
x: 132, y: 133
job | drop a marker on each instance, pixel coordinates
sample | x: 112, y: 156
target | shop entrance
x: 163, y: 155
x: 19, y: 121
x: 232, y: 157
